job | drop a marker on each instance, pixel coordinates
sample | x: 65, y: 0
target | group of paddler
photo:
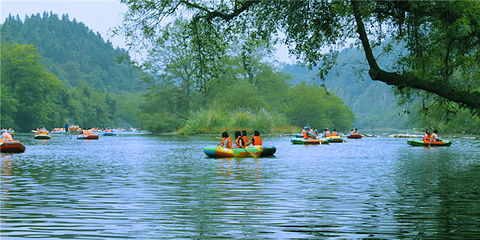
x: 240, y: 146
x: 241, y: 139
x: 7, y: 144
x: 431, y: 138
x: 5, y: 136
x: 310, y: 133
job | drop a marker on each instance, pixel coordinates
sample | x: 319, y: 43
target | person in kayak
x: 256, y: 140
x: 245, y: 137
x: 334, y: 133
x: 305, y: 132
x: 6, y: 136
x: 226, y: 141
x: 239, y: 143
x: 315, y: 134
x: 426, y: 136
x: 326, y: 133
x: 434, y: 137
x: 42, y: 131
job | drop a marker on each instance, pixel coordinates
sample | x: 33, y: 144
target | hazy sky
x: 98, y: 15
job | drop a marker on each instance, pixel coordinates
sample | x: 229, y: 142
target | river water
x: 164, y: 187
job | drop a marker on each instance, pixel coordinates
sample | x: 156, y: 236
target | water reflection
x: 437, y: 189
x: 164, y: 187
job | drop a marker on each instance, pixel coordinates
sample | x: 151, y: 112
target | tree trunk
x: 470, y: 99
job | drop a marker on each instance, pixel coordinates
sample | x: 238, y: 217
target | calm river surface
x: 164, y: 187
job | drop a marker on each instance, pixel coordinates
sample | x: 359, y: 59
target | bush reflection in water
x: 164, y: 187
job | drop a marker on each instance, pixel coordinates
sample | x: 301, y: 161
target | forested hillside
x: 73, y: 52
x: 373, y: 103
x: 57, y: 70
x: 236, y: 87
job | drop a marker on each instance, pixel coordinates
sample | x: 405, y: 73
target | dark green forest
x: 376, y: 105
x: 56, y: 70
x: 434, y: 78
x: 240, y: 88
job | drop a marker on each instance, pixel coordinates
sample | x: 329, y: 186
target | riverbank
x: 292, y: 130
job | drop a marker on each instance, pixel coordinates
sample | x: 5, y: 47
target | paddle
x: 252, y: 154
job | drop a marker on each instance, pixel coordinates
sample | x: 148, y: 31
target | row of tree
x: 33, y: 97
x: 205, y: 74
x: 57, y: 70
x: 375, y: 104
x: 439, y: 67
x: 74, y: 53
x: 238, y: 88
x: 43, y: 87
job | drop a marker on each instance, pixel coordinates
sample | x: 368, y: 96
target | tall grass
x: 215, y: 120
x: 205, y: 120
x: 241, y: 118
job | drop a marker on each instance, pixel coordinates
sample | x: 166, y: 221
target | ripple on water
x: 164, y: 187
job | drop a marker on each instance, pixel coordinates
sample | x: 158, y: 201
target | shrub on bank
x: 215, y: 120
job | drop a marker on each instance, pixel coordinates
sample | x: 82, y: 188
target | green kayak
x: 418, y: 142
x: 310, y: 141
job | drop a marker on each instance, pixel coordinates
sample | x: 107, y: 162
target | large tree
x: 442, y: 38
x: 33, y: 95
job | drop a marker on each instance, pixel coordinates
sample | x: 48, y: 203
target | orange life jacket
x: 239, y: 142
x: 7, y: 136
x: 256, y: 140
x: 305, y: 134
x: 426, y: 137
x: 356, y: 132
x: 245, y: 140
x: 229, y: 142
x: 89, y: 132
x: 327, y: 133
x: 334, y: 134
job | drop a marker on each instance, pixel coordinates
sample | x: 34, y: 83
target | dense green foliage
x: 242, y: 90
x: 374, y: 103
x: 63, y: 72
x: 74, y: 53
x: 56, y: 71
x: 441, y: 39
x: 22, y: 73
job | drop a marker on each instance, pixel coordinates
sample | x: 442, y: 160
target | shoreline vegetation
x: 384, y: 133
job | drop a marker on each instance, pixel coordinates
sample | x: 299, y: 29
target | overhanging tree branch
x: 470, y: 99
x: 243, y: 6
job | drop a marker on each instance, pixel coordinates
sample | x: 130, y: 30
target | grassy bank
x: 216, y: 120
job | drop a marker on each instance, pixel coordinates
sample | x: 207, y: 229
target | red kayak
x: 83, y: 137
x: 12, y: 147
x: 354, y: 135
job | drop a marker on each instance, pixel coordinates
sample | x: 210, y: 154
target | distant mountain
x: 73, y: 52
x: 372, y: 102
